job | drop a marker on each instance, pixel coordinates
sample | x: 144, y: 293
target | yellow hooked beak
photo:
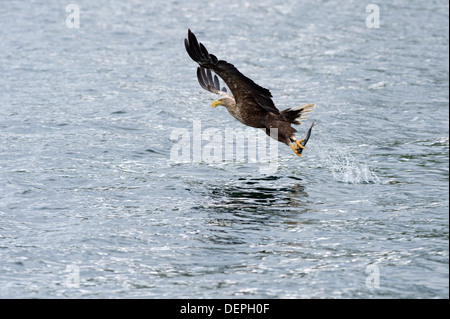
x: 217, y: 103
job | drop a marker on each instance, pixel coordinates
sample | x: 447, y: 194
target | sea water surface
x: 92, y: 204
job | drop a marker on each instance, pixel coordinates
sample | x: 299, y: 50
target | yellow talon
x: 294, y: 148
x: 298, y: 147
x: 299, y: 144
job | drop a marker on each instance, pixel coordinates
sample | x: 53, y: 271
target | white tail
x: 303, y: 111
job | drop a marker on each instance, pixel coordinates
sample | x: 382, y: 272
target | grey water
x: 92, y: 204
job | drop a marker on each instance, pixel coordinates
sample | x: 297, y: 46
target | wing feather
x: 216, y: 82
x: 207, y: 82
x: 201, y: 79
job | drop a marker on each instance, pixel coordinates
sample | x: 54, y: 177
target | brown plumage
x: 249, y: 103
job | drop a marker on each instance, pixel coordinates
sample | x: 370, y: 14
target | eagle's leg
x: 298, y: 147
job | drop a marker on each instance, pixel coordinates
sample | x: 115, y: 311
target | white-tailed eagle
x: 249, y: 103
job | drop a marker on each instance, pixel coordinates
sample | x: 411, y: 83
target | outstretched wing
x: 206, y: 81
x: 247, y: 93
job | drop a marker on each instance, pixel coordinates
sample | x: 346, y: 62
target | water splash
x: 344, y: 166
x: 347, y: 169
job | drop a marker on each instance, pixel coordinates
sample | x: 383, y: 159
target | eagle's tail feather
x: 297, y: 114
